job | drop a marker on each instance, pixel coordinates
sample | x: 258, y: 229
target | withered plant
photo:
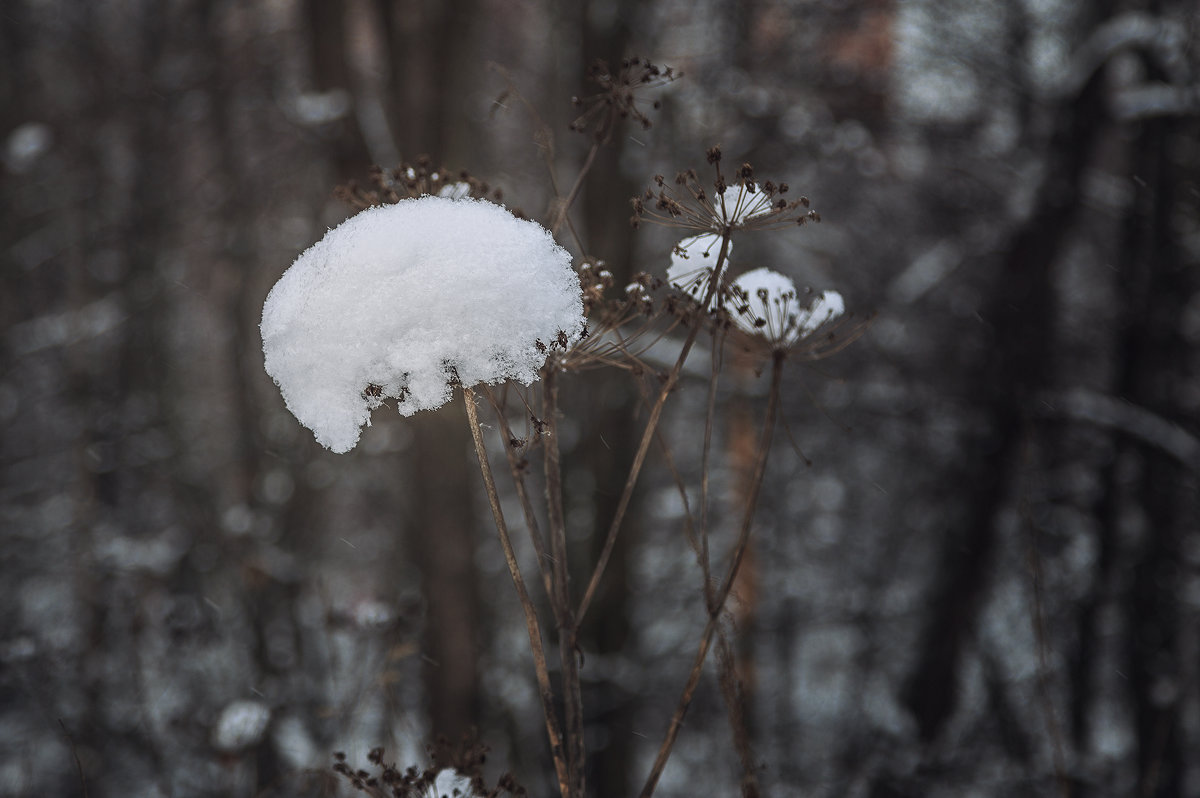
x: 758, y: 316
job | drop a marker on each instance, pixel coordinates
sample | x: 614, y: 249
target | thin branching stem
x: 572, y: 694
x: 536, y: 645
x: 718, y: 341
x: 648, y: 438
x: 689, y: 521
x: 531, y: 522
x: 1038, y: 619
x: 565, y: 206
x: 714, y: 614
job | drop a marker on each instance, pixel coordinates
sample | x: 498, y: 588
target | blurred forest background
x: 987, y: 581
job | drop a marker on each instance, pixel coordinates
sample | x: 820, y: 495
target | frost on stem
x: 404, y: 300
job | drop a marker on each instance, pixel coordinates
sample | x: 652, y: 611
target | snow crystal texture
x: 400, y: 300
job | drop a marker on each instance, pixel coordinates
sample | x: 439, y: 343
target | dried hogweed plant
x: 339, y: 346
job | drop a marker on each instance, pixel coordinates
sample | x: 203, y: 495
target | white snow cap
x: 399, y: 299
x: 766, y: 303
x: 452, y: 784
x: 692, y: 262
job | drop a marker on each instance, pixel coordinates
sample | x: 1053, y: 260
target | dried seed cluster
x: 617, y: 98
x: 412, y: 180
x: 737, y: 202
x: 466, y: 758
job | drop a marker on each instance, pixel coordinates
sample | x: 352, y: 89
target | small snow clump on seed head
x: 765, y: 303
x: 737, y: 201
x: 406, y: 300
x: 693, y: 262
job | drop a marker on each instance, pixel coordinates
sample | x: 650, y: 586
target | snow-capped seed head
x: 739, y: 202
x: 452, y: 784
x: 692, y: 263
x: 766, y: 304
x: 402, y: 301
x: 410, y: 181
x: 455, y: 190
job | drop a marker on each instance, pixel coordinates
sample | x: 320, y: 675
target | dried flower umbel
x: 773, y: 317
x: 617, y: 98
x: 737, y: 202
x: 416, y: 179
x: 454, y: 770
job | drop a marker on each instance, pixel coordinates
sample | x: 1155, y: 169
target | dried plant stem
x: 536, y: 645
x: 718, y: 342
x: 531, y: 522
x: 569, y: 200
x: 572, y: 694
x: 734, y: 693
x: 1038, y: 620
x: 714, y: 614
x: 648, y: 437
x: 731, y: 685
x: 75, y: 756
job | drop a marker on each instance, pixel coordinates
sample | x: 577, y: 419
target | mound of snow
x: 402, y: 300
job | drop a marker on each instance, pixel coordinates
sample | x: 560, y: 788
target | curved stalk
x: 531, y: 623
x: 714, y: 614
x: 572, y: 693
x: 648, y: 437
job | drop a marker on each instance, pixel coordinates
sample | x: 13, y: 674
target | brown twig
x: 531, y: 522
x: 1039, y: 627
x: 531, y: 623
x: 572, y: 694
x: 75, y: 756
x: 718, y: 341
x: 569, y: 200
x: 647, y: 438
x: 714, y: 614
x: 734, y: 693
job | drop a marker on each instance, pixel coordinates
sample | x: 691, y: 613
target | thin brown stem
x: 705, y: 459
x: 531, y: 522
x: 572, y: 694
x: 733, y: 690
x: 714, y: 614
x: 536, y: 645
x: 647, y: 438
x: 1039, y: 625
x: 565, y: 206
x: 689, y: 523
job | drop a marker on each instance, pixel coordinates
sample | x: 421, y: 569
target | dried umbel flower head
x: 406, y: 300
x: 594, y: 278
x: 729, y: 203
x: 412, y: 180
x: 617, y: 98
x: 693, y: 262
x: 766, y: 308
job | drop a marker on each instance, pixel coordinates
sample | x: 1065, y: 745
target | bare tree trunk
x: 1156, y: 288
x: 1020, y: 314
x: 331, y: 71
